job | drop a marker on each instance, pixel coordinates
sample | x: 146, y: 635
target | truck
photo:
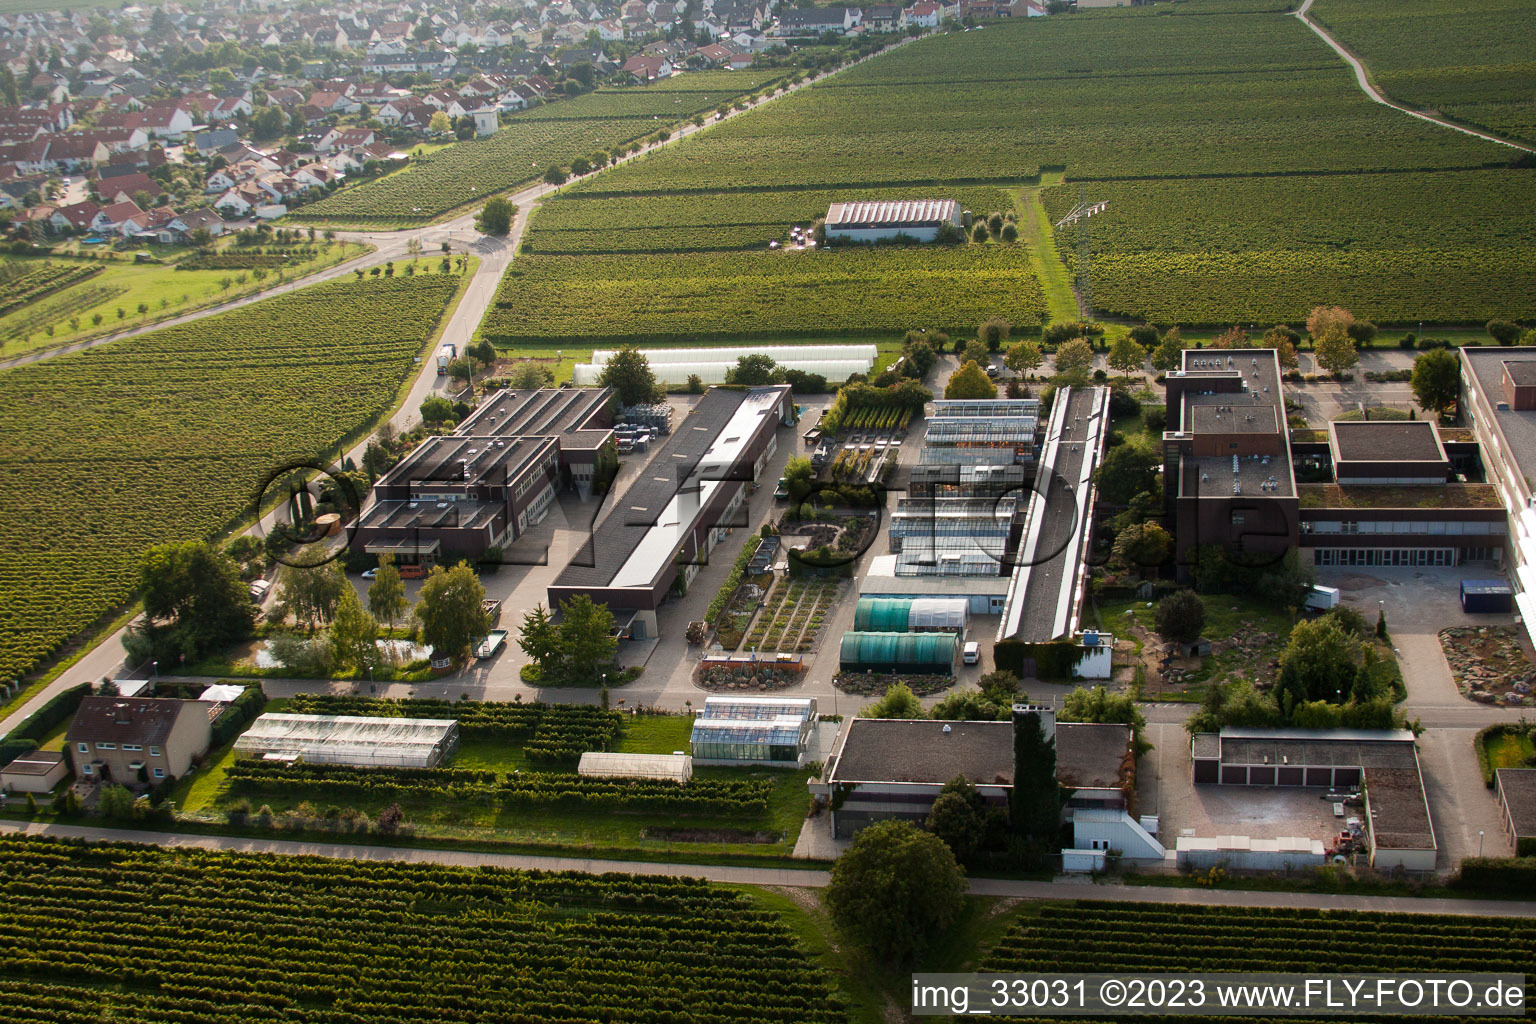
x: 1322, y: 598
x: 446, y: 355
x: 488, y: 647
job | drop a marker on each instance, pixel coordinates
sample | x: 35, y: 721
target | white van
x: 972, y: 653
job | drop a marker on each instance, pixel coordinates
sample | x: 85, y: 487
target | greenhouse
x: 911, y: 615
x: 951, y: 556
x: 667, y: 767
x: 676, y: 365
x: 350, y: 739
x: 990, y: 518
x: 899, y: 652
x: 774, y: 731
x: 946, y: 407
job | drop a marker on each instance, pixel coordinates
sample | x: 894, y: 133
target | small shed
x: 899, y: 652
x: 602, y: 764
x: 37, y: 772
x: 1486, y: 597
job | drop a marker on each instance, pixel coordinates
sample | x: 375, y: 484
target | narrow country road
x: 1364, y: 81
x: 815, y: 879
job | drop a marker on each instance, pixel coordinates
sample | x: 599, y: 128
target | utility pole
x: 1084, y: 255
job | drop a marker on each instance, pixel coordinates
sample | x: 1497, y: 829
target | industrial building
x: 1498, y: 401
x: 920, y: 220
x: 1049, y: 574
x: 771, y: 731
x: 351, y: 739
x: 673, y: 366
x: 685, y: 501
x: 457, y: 495
x: 1230, y: 479
x: 1381, y: 764
x: 895, y: 768
x: 929, y: 653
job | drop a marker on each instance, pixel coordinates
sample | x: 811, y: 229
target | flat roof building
x: 1383, y: 764
x: 681, y: 504
x: 880, y: 220
x: 1387, y: 452
x: 1516, y: 790
x: 36, y: 773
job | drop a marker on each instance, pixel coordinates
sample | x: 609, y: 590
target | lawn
x: 613, y: 833
x: 1510, y: 750
x: 116, y: 293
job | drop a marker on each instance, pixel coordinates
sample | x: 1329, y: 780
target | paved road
x: 1364, y: 81
x: 814, y: 879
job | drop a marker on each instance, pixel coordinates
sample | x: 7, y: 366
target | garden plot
x: 1489, y: 663
x: 792, y: 617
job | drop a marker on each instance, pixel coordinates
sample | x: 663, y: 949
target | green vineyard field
x: 170, y: 435
x: 1129, y: 937
x: 125, y: 933
x: 545, y: 299
x: 530, y: 142
x: 1469, y: 60
x: 1220, y: 250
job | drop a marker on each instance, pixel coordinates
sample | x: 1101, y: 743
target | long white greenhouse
x: 351, y: 739
x: 676, y: 365
x: 613, y: 765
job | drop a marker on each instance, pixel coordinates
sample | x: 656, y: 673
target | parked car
x: 972, y: 653
x: 369, y: 574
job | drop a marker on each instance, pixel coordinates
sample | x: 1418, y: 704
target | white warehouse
x: 885, y: 220
x: 675, y: 365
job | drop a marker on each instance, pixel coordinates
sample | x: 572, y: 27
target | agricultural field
x: 1249, y: 180
x: 1468, y: 61
x: 544, y: 299
x: 578, y: 223
x: 122, y: 932
x: 513, y: 780
x: 1260, y: 249
x: 1110, y: 938
x: 553, y: 134
x: 170, y: 435
x: 103, y: 296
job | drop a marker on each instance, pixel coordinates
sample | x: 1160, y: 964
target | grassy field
x: 123, y: 286
x: 1468, y: 61
x: 180, y: 428
x: 205, y: 795
x: 1510, y: 750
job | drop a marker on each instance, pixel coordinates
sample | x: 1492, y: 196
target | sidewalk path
x: 786, y: 876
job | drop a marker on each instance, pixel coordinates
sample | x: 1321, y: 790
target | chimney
x: 1047, y: 718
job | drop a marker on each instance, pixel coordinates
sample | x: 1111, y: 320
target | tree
x: 1232, y: 337
x: 495, y: 217
x: 979, y: 231
x: 312, y: 588
x: 799, y: 477
x: 462, y: 369
x: 959, y: 817
x: 440, y: 124
x: 354, y: 634
x: 630, y: 375
x: 1436, y: 380
x: 1097, y: 705
x: 994, y: 333
x: 555, y: 175
x: 1318, y: 663
x: 895, y: 889
x: 1024, y: 357
x: 1234, y: 703
x: 1145, y: 545
x: 897, y: 702
x: 973, y: 706
x: 1362, y: 333
x: 1180, y: 617
x: 1126, y: 471
x: 1283, y: 340
x: 920, y: 356
x: 1325, y: 318
x: 1335, y: 349
x: 1074, y: 362
x: 436, y: 409
x: 539, y: 638
x: 268, y: 123
x: 452, y: 619
x: 970, y: 381
x: 1144, y: 335
x: 1505, y: 332
x: 755, y: 370
x: 976, y: 351
x: 386, y: 595
x: 1126, y: 356
x: 196, y: 589
x: 1169, y: 352
x: 580, y: 165
x: 587, y: 643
